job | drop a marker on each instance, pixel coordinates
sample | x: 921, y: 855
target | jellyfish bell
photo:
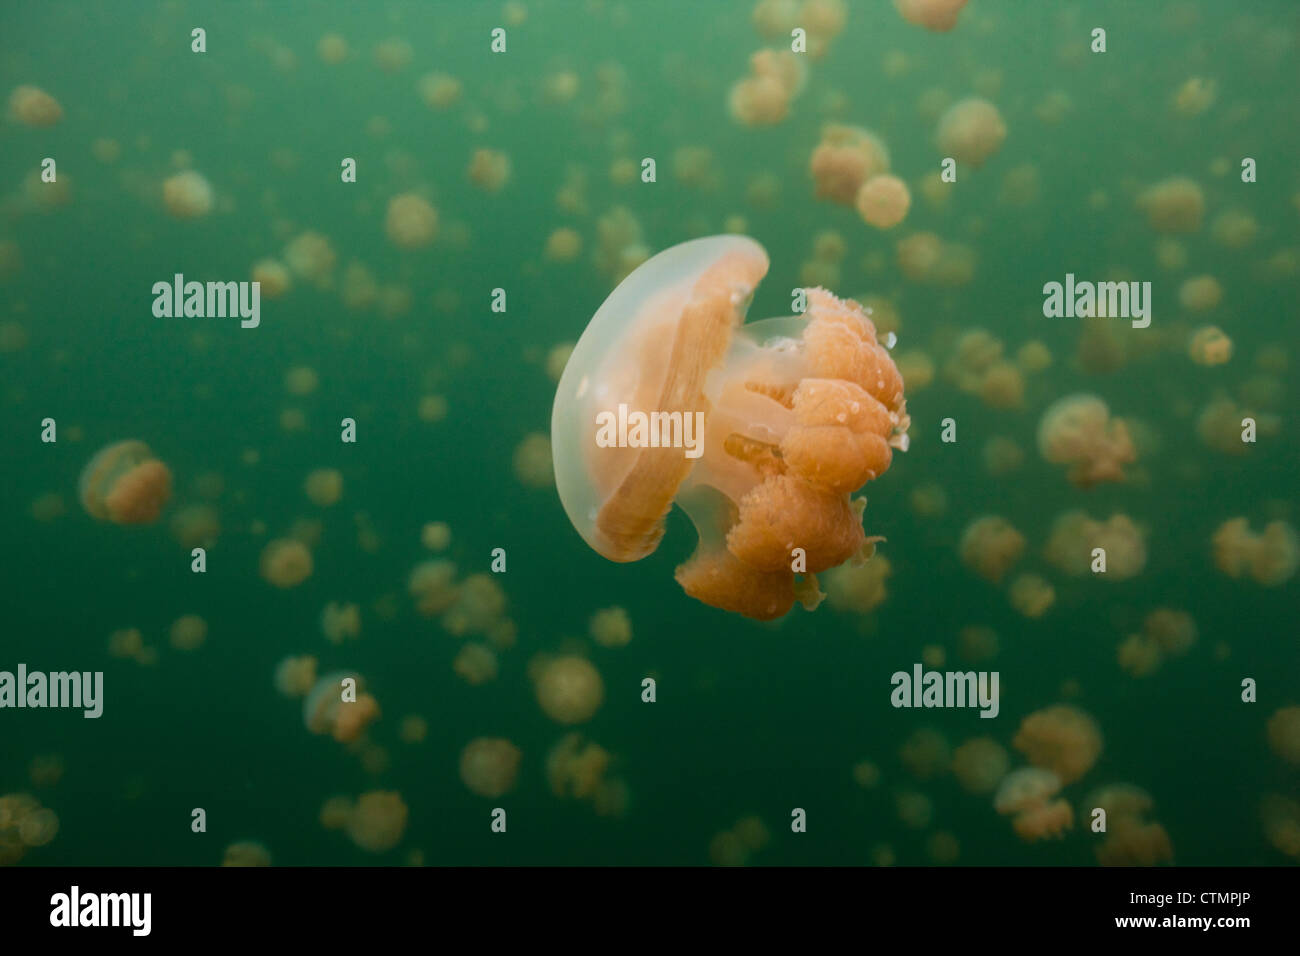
x: 760, y: 431
x: 125, y: 484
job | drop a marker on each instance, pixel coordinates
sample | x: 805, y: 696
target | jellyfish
x: 296, y: 676
x: 883, y: 201
x: 1045, y: 821
x: 1281, y: 820
x: 563, y: 245
x: 188, y: 632
x: 475, y: 664
x: 575, y: 767
x: 310, y: 256
x: 272, y: 278
x: 532, y: 461
x: 489, y: 169
x: 479, y: 604
x: 1174, y: 206
x: 438, y: 90
x: 763, y: 97
x: 859, y: 588
x: 1078, y: 431
x: 325, y: 711
x: 611, y: 627
x: 759, y: 432
x: 285, y: 562
x: 844, y: 161
x: 432, y: 585
x: 411, y: 221
x: 378, y: 821
x: 436, y: 536
x: 1131, y: 842
x: 1200, y: 293
x: 990, y: 546
x: 246, y: 853
x: 1284, y: 734
x: 324, y: 487
x: 125, y: 484
x: 1025, y: 788
x: 1209, y: 346
x: 1062, y: 739
x: 926, y: 753
x: 569, y: 689
x: 187, y: 195
x: 979, y: 764
x: 1173, y: 631
x: 1270, y: 558
x: 489, y: 766
x: 340, y: 622
x: 332, y: 49
x: 970, y: 131
x: 1032, y: 595
x: 937, y: 15
x: 32, y: 106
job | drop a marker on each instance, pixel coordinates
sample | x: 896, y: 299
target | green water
x: 750, y: 718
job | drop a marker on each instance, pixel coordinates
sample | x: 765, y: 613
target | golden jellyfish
x: 188, y: 632
x: 301, y: 380
x: 439, y: 91
x: 489, y: 169
x: 611, y: 627
x: 1234, y: 229
x: 1034, y: 356
x: 759, y: 432
x: 335, y: 812
x: 1062, y: 739
x: 332, y: 49
x: 1209, y: 346
x: 413, y: 729
x: 436, y: 536
x: 763, y: 97
x: 1002, y: 456
x: 187, y: 195
x: 844, y: 161
x: 1131, y: 842
x: 866, y: 774
x: 432, y: 408
x: 378, y: 821
x: 990, y: 546
x: 916, y: 368
x: 1200, y: 293
x: 32, y: 106
x: 569, y: 689
x: 915, y: 810
x: 883, y: 201
x: 1175, y: 205
x: 272, y: 278
x: 324, y: 487
x: 774, y: 19
x: 970, y: 131
x: 125, y: 484
x: 310, y: 256
x: 937, y: 15
x: 824, y: 21
x: 1173, y: 631
x: 1194, y: 96
x: 433, y: 586
x: 296, y: 676
x: 532, y: 461
x: 393, y: 55
x: 1077, y: 430
x: 979, y: 764
x: 1284, y: 734
x: 411, y: 222
x: 926, y: 753
x: 1269, y: 558
x: 1045, y: 821
x: 1025, y: 788
x: 475, y: 664
x: 246, y: 853
x: 575, y: 767
x: 340, y: 622
x: 1032, y: 595
x: 1221, y: 426
x: 556, y: 359
x: 489, y: 766
x: 339, y: 706
x: 1281, y: 820
x: 563, y: 245
x: 479, y: 604
x: 1139, y: 655
x: 859, y: 588
x: 285, y: 562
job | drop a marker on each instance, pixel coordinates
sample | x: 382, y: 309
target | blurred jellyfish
x: 489, y: 766
x: 845, y: 160
x: 125, y: 484
x: 1130, y: 842
x: 1078, y: 431
x: 937, y: 15
x: 439, y: 91
x: 990, y: 546
x: 883, y: 201
x: 378, y: 821
x: 1209, y: 346
x: 332, y: 49
x: 479, y: 604
x: 296, y: 676
x: 324, y: 487
x: 1002, y: 456
x: 532, y: 461
x: 188, y: 632
x: 1194, y: 96
x: 413, y: 729
x: 1281, y: 821
x: 301, y: 380
x: 285, y: 563
x: 326, y: 711
x: 563, y: 245
x: 1062, y: 739
x: 340, y: 622
x: 310, y: 256
x: 800, y: 412
x: 1025, y: 788
x: 970, y: 131
x: 475, y: 664
x: 436, y: 536
x: 1174, y: 205
x: 411, y: 222
x: 576, y: 767
x: 1173, y: 631
x: 569, y: 689
x: 187, y: 195
x: 1200, y: 293
x: 1234, y: 229
x: 979, y: 764
x: 272, y: 277
x: 32, y: 106
x: 1284, y: 734
x: 1269, y: 558
x: 611, y: 627
x: 858, y: 588
x: 1032, y: 595
x: 1045, y: 821
x: 489, y: 169
x: 432, y: 585
x: 246, y: 853
x: 763, y: 97
x: 926, y: 753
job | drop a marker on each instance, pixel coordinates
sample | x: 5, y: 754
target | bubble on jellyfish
x: 569, y: 689
x: 285, y: 563
x: 125, y: 484
x: 1062, y: 739
x: 32, y: 106
x: 489, y: 766
x: 378, y: 821
x: 970, y: 131
x: 937, y: 15
x: 339, y: 706
x: 187, y: 195
x: 759, y: 432
x: 1077, y: 430
x: 990, y: 546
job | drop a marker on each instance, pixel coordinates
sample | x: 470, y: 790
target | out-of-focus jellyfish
x: 611, y: 627
x: 970, y: 131
x: 272, y: 277
x: 978, y: 643
x: 432, y: 408
x: 301, y: 380
x: 296, y: 676
x: 1200, y: 293
x: 1173, y: 631
x: 1033, y: 357
x: 926, y: 753
x: 563, y: 245
x: 844, y: 161
x: 475, y: 664
x: 1044, y: 821
x: 1234, y: 229
x: 883, y: 201
x: 411, y: 222
x: 1024, y: 789
x: 1139, y: 655
x: 246, y: 853
x: 1077, y: 430
x: 340, y: 622
x: 324, y: 486
x: 1269, y: 558
x: 393, y: 55
x: 332, y: 49
x: 763, y: 97
x: 1219, y: 426
x: 378, y: 821
x: 532, y: 461
x: 928, y: 500
x: 1284, y: 734
x: 489, y: 766
x: 335, y: 812
x: 937, y: 15
x: 990, y: 546
x: 774, y: 19
x: 759, y: 432
x: 48, y: 507
x: 916, y: 368
x: 125, y: 484
x: 1074, y: 535
x: 915, y: 810
x: 480, y: 603
x: 285, y: 562
x: 556, y: 359
x: 1281, y: 821
x: 695, y: 166
x: 439, y: 90
x: 324, y: 711
x: 46, y: 770
x: 436, y: 536
x: 32, y: 106
x: 432, y: 585
x: 1175, y: 205
x: 1194, y: 96
x: 866, y: 774
x: 979, y: 764
x: 489, y: 169
x: 1002, y: 456
x: 824, y: 20
x: 859, y: 588
x: 413, y: 729
x: 187, y: 195
x: 188, y: 632
x: 310, y: 256
x: 1209, y: 346
x: 569, y: 689
x: 575, y: 767
x: 1032, y: 595
x: 1062, y: 739
x: 1020, y: 186
x: 1131, y: 842
x: 943, y: 848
